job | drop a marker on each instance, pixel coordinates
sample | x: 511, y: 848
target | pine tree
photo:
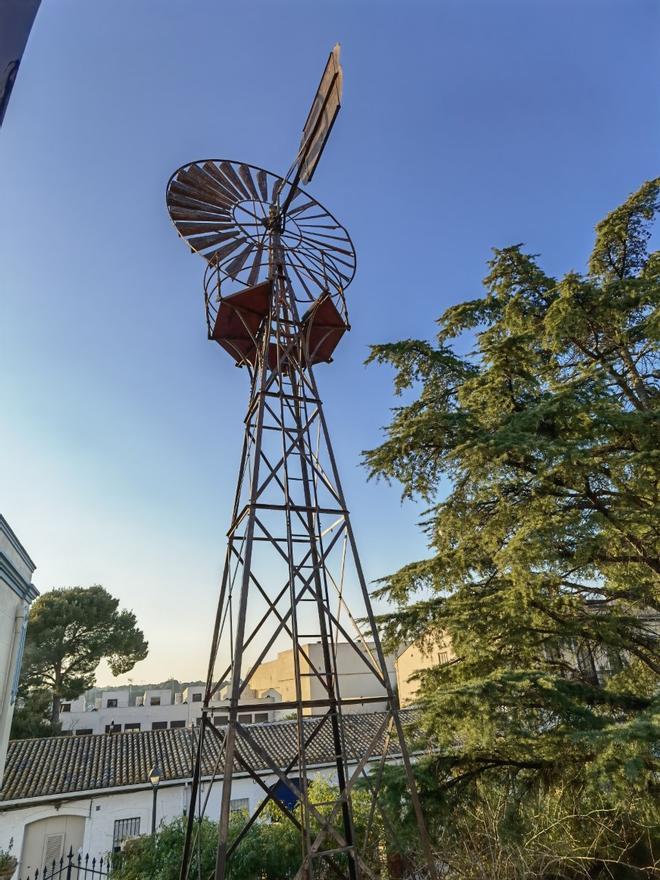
x: 544, y: 560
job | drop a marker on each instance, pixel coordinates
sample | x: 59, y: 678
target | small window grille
x: 246, y: 718
x: 260, y: 717
x: 111, y: 704
x: 443, y: 657
x: 177, y: 723
x: 83, y: 731
x: 154, y: 701
x: 220, y: 720
x: 132, y: 726
x: 240, y: 805
x: 197, y: 698
x: 159, y: 725
x: 124, y: 828
x: 65, y: 707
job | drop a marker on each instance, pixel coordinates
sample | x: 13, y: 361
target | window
x: 111, y: 704
x: 83, y: 731
x: 124, y: 828
x: 220, y: 720
x: 65, y: 707
x: 159, y: 725
x: 240, y: 805
x: 154, y: 701
x: 197, y: 698
x: 113, y: 728
x: 443, y: 657
x: 260, y: 716
x: 53, y: 849
x: 198, y: 722
x: 245, y: 718
x: 177, y: 723
x: 133, y: 726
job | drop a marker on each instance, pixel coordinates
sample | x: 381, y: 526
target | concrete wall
x: 355, y: 678
x: 186, y: 713
x: 412, y: 659
x: 16, y: 593
x: 101, y: 811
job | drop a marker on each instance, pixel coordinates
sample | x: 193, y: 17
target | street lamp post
x: 154, y: 778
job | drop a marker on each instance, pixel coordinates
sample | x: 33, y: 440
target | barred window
x: 197, y: 698
x: 259, y: 717
x: 177, y: 723
x: 124, y: 828
x: 240, y: 805
x: 158, y: 725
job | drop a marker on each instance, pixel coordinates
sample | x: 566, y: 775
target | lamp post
x: 154, y: 778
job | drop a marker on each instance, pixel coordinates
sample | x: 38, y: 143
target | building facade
x: 113, y: 711
x: 16, y: 594
x: 356, y: 680
x: 90, y: 793
x: 413, y: 659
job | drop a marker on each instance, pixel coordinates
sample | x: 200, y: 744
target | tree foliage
x: 270, y: 850
x: 70, y: 630
x: 537, y: 455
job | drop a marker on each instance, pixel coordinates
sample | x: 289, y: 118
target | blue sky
x: 465, y: 125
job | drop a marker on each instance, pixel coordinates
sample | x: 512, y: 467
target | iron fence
x: 72, y: 867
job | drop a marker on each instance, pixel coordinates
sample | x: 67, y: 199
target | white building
x: 155, y: 710
x: 89, y: 793
x: 16, y: 594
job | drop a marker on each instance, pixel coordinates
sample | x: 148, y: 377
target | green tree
x: 270, y: 850
x: 32, y: 716
x: 537, y: 456
x: 70, y: 630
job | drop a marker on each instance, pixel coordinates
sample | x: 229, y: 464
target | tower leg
x: 291, y: 553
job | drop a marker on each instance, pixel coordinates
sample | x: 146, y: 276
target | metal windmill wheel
x: 227, y: 212
x: 240, y: 218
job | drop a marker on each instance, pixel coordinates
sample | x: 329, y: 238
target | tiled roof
x: 65, y: 765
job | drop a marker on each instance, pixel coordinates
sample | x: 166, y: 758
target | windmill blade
x: 320, y: 118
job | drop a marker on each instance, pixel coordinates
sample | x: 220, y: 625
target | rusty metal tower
x: 278, y: 267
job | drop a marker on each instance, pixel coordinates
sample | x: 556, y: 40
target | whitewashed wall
x: 101, y: 811
x: 16, y: 593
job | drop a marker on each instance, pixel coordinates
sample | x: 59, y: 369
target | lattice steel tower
x: 278, y: 266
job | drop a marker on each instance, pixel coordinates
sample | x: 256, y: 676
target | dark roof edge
x: 7, y: 530
x: 23, y: 589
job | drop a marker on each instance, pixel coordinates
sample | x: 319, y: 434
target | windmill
x: 278, y: 265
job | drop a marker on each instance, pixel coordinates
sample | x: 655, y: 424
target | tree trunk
x: 55, y: 708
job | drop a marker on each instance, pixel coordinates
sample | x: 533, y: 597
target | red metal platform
x: 241, y: 314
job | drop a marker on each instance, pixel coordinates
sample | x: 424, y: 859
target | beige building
x: 356, y: 681
x: 415, y: 658
x: 16, y: 594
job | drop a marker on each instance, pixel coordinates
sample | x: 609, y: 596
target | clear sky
x: 466, y: 124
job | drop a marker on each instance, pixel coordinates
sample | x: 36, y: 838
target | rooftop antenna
x: 278, y: 265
